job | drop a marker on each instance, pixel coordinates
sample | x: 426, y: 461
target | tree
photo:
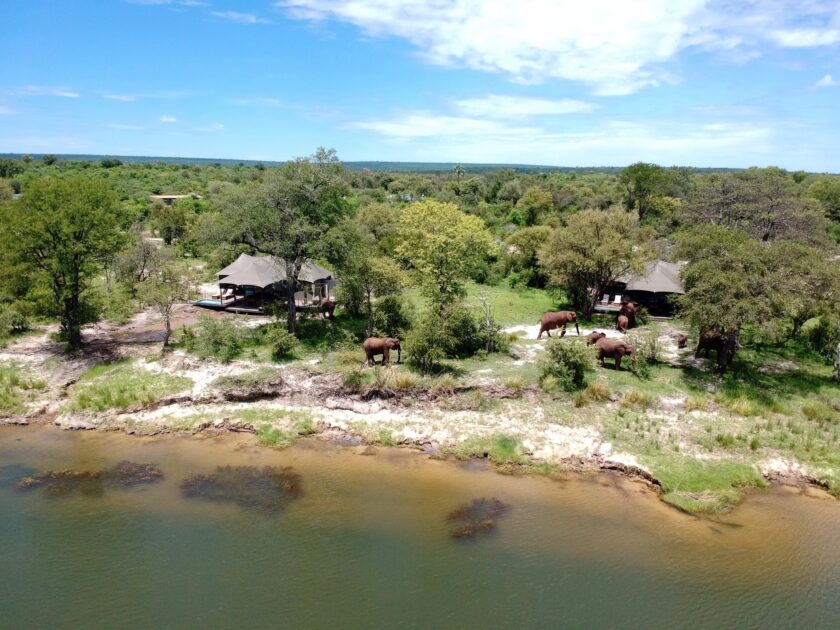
x: 289, y: 215
x: 61, y: 229
x: 534, y: 203
x: 591, y: 251
x: 166, y: 286
x: 523, y: 254
x: 764, y: 203
x: 10, y: 168
x: 641, y: 182
x: 826, y: 190
x: 49, y: 159
x: 443, y: 245
x: 170, y: 221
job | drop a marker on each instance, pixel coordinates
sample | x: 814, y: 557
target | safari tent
x: 655, y: 289
x: 250, y: 282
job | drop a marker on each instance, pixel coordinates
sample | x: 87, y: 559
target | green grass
x: 510, y: 306
x: 704, y: 486
x: 499, y: 449
x: 271, y: 435
x: 122, y: 385
x: 15, y: 382
x: 259, y: 377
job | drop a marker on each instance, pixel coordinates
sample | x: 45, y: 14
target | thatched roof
x: 263, y: 271
x: 659, y: 277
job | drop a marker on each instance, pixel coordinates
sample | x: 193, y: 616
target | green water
x: 367, y: 545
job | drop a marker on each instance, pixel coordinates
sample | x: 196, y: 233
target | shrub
x: 122, y: 386
x: 14, y: 318
x: 567, y: 362
x: 823, y: 334
x: 648, y: 347
x: 355, y: 381
x: 281, y: 342
x: 324, y: 335
x: 637, y: 399
x: 217, y: 338
x: 595, y: 392
x: 391, y: 317
x: 425, y: 344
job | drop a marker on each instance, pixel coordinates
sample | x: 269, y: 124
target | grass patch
x: 697, y: 486
x: 257, y: 378
x: 598, y: 391
x: 499, y: 449
x: 14, y: 383
x: 271, y: 435
x: 121, y: 385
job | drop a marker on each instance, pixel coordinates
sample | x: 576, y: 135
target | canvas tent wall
x: 655, y: 289
x: 269, y: 276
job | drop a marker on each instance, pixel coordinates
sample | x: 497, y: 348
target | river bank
x: 653, y: 430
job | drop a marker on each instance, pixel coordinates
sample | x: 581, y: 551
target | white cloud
x: 826, y: 81
x: 615, y: 46
x: 806, y: 37
x: 168, y: 119
x: 457, y: 138
x: 125, y: 98
x: 211, y: 128
x: 239, y: 18
x: 427, y: 124
x: 43, y: 90
x: 499, y: 106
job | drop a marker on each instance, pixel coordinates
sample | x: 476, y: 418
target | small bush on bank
x: 564, y: 365
x: 13, y: 382
x: 220, y: 339
x: 391, y: 317
x: 595, y: 392
x: 281, y: 342
x: 14, y: 319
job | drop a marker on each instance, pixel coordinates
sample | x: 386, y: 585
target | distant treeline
x: 402, y: 167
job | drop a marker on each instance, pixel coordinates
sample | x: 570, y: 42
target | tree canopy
x: 60, y: 231
x: 443, y: 246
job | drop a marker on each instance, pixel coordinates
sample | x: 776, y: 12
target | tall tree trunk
x: 291, y: 318
x: 167, y: 329
x: 369, y: 314
x: 70, y: 324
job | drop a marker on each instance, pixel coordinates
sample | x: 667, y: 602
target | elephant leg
x: 563, y: 331
x: 618, y: 361
x: 385, y: 356
x: 577, y: 328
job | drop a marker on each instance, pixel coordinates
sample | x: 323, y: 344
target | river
x: 367, y: 544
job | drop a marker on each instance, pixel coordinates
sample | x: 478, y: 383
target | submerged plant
x: 268, y: 489
x: 475, y: 518
x: 125, y: 474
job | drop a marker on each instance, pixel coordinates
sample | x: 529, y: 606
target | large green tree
x: 642, y: 182
x: 591, y: 251
x: 61, y: 230
x: 443, y: 246
x: 288, y: 216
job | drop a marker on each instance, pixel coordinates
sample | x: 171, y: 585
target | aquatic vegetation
x: 92, y: 482
x: 477, y: 517
x: 269, y: 489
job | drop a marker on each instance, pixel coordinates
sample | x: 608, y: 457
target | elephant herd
x: 615, y: 349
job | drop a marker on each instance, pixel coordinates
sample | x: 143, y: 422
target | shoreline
x: 576, y: 465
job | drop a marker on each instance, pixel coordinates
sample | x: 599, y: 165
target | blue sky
x: 602, y: 82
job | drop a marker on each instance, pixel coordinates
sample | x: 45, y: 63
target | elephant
x: 557, y: 319
x: 622, y: 323
x: 709, y: 340
x: 328, y: 308
x: 725, y: 344
x: 682, y: 341
x: 381, y: 345
x: 615, y: 349
x: 629, y: 310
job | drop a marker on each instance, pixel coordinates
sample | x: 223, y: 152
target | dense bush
x: 564, y: 364
x: 281, y: 342
x: 823, y: 335
x: 425, y: 343
x: 218, y: 338
x: 391, y: 317
x: 14, y: 318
